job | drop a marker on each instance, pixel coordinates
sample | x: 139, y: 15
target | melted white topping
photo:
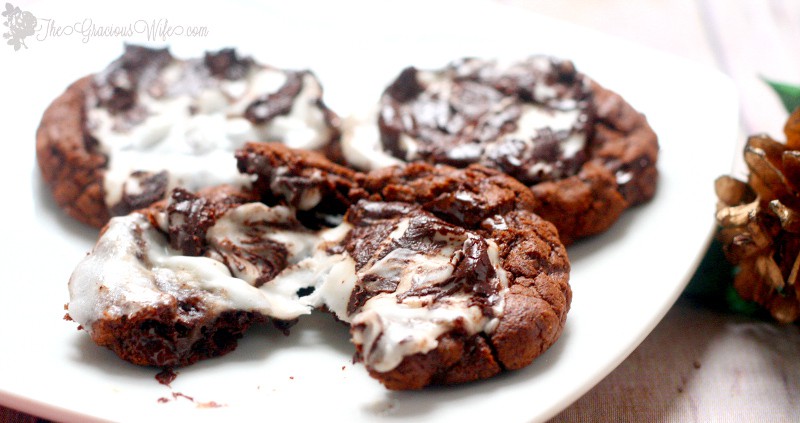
x: 535, y: 117
x: 361, y: 143
x: 248, y: 224
x: 363, y: 149
x: 132, y: 268
x: 388, y: 329
x: 304, y: 126
x: 305, y: 199
x: 193, y: 135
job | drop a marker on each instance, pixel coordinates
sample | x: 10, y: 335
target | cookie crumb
x: 166, y: 376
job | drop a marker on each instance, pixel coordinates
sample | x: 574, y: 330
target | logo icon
x: 20, y: 25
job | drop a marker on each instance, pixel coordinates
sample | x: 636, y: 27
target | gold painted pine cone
x: 760, y: 222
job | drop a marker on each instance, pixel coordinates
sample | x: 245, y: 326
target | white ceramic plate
x: 623, y: 281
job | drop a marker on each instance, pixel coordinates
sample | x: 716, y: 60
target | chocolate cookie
x: 312, y: 183
x: 586, y: 154
x: 476, y: 219
x: 149, y: 292
x: 444, y: 286
x: 121, y: 139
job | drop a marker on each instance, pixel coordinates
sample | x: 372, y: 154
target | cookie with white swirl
x: 456, y: 279
x: 586, y: 153
x: 122, y: 138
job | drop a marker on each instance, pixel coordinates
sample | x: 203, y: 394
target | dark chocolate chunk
x: 268, y: 256
x: 268, y: 106
x: 406, y: 86
x: 226, y: 64
x: 116, y: 87
x: 189, y: 217
x: 151, y: 187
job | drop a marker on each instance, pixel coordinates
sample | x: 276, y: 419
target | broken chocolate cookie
x: 448, y: 284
